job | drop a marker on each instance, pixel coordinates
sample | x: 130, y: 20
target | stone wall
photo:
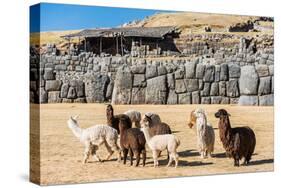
x: 239, y: 75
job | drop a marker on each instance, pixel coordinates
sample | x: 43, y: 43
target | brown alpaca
x: 114, y: 120
x: 238, y: 142
x: 192, y: 119
x: 132, y: 140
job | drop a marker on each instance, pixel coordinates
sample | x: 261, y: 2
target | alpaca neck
x: 225, y: 129
x: 146, y: 134
x: 201, y: 123
x: 77, y: 131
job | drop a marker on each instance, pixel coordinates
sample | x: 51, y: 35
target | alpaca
x: 238, y: 142
x: 192, y: 119
x: 95, y: 136
x: 114, y: 120
x: 132, y: 140
x: 205, y: 134
x: 155, y: 117
x: 134, y: 116
x: 159, y: 143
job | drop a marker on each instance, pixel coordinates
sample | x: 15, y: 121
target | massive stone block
x: 71, y: 93
x: 264, y: 86
x: 179, y: 73
x: 49, y: 74
x: 209, y: 75
x: 138, y: 96
x: 185, y: 98
x: 180, y: 86
x: 139, y: 80
x: 151, y: 71
x: 205, y: 100
x: 232, y: 88
x: 54, y: 97
x: 195, y: 97
x: 43, y: 95
x: 234, y: 70
x: 216, y: 99
x: 214, y: 89
x: 156, y: 90
x: 266, y: 100
x: 161, y: 70
x: 248, y: 100
x: 200, y: 69
x: 138, y: 69
x: 190, y: 68
x: 248, y: 82
x: 217, y: 73
x: 224, y: 72
x: 262, y: 70
x: 206, y: 89
x: 172, y: 97
x: 171, y: 81
x: 191, y: 85
x: 64, y: 90
x: 222, y: 88
x: 53, y: 85
x: 95, y: 87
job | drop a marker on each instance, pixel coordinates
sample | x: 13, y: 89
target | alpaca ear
x: 76, y: 117
x: 228, y: 114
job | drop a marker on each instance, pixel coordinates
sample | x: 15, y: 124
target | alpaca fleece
x: 134, y: 116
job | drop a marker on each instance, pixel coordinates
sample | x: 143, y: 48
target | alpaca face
x: 221, y: 113
x: 72, y: 121
x: 109, y: 110
x: 192, y: 120
x: 145, y: 122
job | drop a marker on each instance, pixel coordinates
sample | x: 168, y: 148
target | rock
x: 216, y: 99
x: 190, y: 68
x: 214, y: 91
x: 200, y: 69
x: 80, y: 88
x: 54, y: 97
x: 262, y: 70
x: 217, y: 73
x: 180, y: 86
x: 138, y: 96
x: 43, y: 95
x: 206, y: 89
x: 271, y: 70
x: 264, y: 86
x: 209, y: 75
x: 179, y: 74
x: 248, y: 82
x: 224, y: 100
x: 248, y: 100
x: 49, y: 74
x: 232, y: 88
x: 60, y: 67
x: 53, y: 85
x: 172, y: 97
x: 64, y: 90
x: 272, y: 84
x: 196, y: 97
x: 234, y: 70
x: 151, y: 71
x: 156, y: 89
x: 191, y: 85
x: 171, y: 81
x: 138, y: 69
x: 222, y: 88
x: 224, y: 72
x: 205, y: 100
x: 234, y: 100
x: 201, y: 84
x: 161, y: 70
x: 71, y: 93
x: 266, y: 100
x: 33, y: 85
x: 64, y: 100
x: 185, y: 98
x: 79, y: 100
x: 139, y: 80
x: 109, y: 90
x: 95, y: 87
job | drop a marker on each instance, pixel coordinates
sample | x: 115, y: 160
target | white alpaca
x: 205, y: 134
x: 154, y: 117
x: 95, y: 136
x: 134, y: 116
x: 159, y: 143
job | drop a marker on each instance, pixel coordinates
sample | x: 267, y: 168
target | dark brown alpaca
x: 114, y: 120
x: 238, y: 142
x: 132, y: 140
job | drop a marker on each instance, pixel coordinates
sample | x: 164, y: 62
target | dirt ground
x: 61, y: 152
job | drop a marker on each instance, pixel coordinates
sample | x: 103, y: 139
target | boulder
x: 264, y: 86
x: 217, y: 73
x: 214, y: 91
x: 232, y: 88
x: 53, y: 85
x: 248, y: 82
x: 262, y: 70
x: 43, y: 95
x: 209, y: 75
x: 222, y: 88
x: 64, y: 100
x: 71, y: 93
x: 109, y: 90
x: 138, y: 96
x: 79, y: 100
x: 138, y: 69
x: 248, y: 100
x: 206, y: 89
x: 234, y: 100
x: 49, y: 74
x: 266, y: 100
x: 156, y: 90
x: 191, y: 85
x: 190, y: 68
x: 179, y: 73
x: 171, y: 81
x: 271, y: 70
x: 180, y: 86
x: 224, y: 100
x: 234, y: 70
x: 216, y: 99
x: 139, y: 80
x: 95, y: 87
x: 224, y: 72
x: 64, y: 90
x: 54, y: 97
x: 205, y: 100
x: 195, y: 97
x: 161, y: 70
x: 200, y: 69
x: 185, y: 98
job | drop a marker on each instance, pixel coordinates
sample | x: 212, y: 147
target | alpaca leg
x: 109, y: 150
x: 131, y: 156
x: 114, y: 146
x: 170, y: 159
x: 94, y: 154
x: 155, y: 156
x: 176, y: 160
x: 125, y: 153
x: 137, y: 153
x: 87, y: 152
x: 143, y: 157
x: 236, y: 160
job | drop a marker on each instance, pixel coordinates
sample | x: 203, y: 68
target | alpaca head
x: 72, y: 121
x: 192, y: 119
x: 146, y: 121
x: 199, y: 112
x: 221, y: 113
x: 109, y: 111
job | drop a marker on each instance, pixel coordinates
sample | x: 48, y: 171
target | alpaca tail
x: 178, y: 142
x: 73, y: 125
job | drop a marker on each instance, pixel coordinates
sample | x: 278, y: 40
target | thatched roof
x: 152, y: 32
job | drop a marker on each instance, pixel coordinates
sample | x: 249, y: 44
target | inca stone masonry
x: 239, y: 74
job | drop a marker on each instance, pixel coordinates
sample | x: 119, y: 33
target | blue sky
x: 55, y: 17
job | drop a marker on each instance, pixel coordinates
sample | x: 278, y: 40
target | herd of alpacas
x: 238, y: 142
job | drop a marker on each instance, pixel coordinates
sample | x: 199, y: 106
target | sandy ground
x: 61, y: 152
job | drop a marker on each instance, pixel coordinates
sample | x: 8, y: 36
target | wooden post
x: 121, y: 42
x: 100, y: 45
x: 116, y: 44
x: 85, y: 45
